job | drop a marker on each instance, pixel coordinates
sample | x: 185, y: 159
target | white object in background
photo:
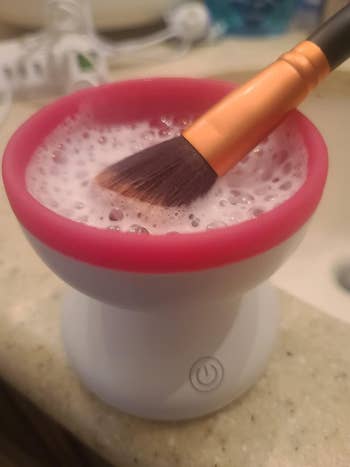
x: 68, y: 16
x: 83, y: 70
x: 108, y: 14
x: 191, y: 21
x: 52, y: 61
x: 22, y: 72
x: 47, y: 62
x: 24, y: 68
x: 187, y: 23
x: 71, y: 44
x: 30, y: 67
x: 68, y: 55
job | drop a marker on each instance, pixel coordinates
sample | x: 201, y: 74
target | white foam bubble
x: 62, y: 171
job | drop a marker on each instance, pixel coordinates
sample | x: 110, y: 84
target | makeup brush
x: 179, y: 170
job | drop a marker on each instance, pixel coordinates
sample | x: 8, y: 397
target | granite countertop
x: 298, y: 415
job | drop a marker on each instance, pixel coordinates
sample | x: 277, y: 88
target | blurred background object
x: 77, y: 42
x: 108, y: 14
x: 252, y: 17
x: 67, y: 53
x: 332, y: 6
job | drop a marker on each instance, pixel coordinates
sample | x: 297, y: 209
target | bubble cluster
x: 61, y: 176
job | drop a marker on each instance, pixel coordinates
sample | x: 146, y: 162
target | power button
x: 206, y: 374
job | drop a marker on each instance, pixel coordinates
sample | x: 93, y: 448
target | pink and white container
x: 170, y: 326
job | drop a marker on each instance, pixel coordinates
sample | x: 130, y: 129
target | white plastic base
x: 170, y: 364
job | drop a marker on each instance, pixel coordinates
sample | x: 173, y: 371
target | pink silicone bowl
x: 139, y: 100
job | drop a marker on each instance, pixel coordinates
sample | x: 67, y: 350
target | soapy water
x: 61, y: 176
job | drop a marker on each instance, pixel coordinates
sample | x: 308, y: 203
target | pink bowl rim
x: 160, y: 253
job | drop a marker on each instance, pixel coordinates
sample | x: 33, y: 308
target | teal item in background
x: 252, y: 17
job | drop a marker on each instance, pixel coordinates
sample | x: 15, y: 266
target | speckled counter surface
x: 298, y: 415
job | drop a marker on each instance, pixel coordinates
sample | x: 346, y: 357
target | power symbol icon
x: 206, y: 374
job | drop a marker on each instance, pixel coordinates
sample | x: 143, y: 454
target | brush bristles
x: 171, y: 173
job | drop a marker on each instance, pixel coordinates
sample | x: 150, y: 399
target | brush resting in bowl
x: 160, y: 303
x: 62, y: 171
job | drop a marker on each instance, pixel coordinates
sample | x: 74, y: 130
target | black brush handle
x: 333, y: 37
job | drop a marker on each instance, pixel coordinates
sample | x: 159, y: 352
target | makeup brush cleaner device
x: 164, y: 327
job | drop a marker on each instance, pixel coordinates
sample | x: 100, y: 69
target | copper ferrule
x: 234, y: 126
